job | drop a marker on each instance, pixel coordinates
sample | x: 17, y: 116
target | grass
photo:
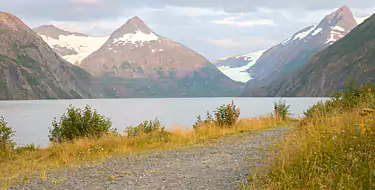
x: 41, y: 161
x: 332, y: 148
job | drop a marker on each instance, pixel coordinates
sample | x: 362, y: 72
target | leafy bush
x: 148, y: 127
x: 78, y: 123
x: 281, y: 110
x: 225, y: 116
x: 6, y: 134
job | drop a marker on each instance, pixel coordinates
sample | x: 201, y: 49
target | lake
x: 31, y: 119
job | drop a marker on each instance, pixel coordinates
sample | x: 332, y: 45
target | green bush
x: 146, y: 127
x: 78, y: 123
x: 281, y: 110
x: 6, y: 142
x: 152, y: 128
x: 225, y: 116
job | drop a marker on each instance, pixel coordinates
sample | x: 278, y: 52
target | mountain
x: 235, y: 66
x: 352, y: 56
x: 293, y: 53
x: 30, y: 69
x: 135, y: 57
x: 72, y: 47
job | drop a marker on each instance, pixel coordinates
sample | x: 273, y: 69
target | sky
x: 213, y: 28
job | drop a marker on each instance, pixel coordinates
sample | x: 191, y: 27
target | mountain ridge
x: 292, y: 53
x: 32, y: 70
x: 329, y: 70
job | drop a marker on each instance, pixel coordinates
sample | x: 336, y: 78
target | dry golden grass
x: 83, y: 150
x: 333, y: 152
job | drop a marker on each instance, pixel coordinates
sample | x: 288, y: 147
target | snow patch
x: 137, y: 37
x: 240, y: 74
x: 82, y: 45
x: 302, y: 35
x: 317, y: 31
x: 338, y: 28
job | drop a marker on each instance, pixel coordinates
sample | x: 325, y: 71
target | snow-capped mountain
x: 147, y: 64
x: 293, y: 52
x: 135, y: 51
x: 30, y: 69
x: 73, y: 47
x: 235, y: 66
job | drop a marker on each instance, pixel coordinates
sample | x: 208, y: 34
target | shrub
x: 227, y: 115
x: 208, y: 121
x: 281, y: 110
x: 153, y: 128
x: 78, y: 123
x: 6, y: 134
x: 344, y: 101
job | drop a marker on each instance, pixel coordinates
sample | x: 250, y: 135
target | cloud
x: 235, y: 22
x: 86, y: 1
x: 63, y: 10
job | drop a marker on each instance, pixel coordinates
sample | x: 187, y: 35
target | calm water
x: 31, y: 119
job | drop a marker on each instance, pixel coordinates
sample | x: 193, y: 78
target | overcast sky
x: 214, y: 28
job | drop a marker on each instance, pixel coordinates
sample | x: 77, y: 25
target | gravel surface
x: 222, y: 164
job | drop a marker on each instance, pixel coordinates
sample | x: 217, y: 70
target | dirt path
x: 223, y: 164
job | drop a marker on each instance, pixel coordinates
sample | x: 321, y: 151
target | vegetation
x: 281, y: 110
x: 6, y: 142
x: 152, y: 128
x: 91, y: 141
x: 333, y: 147
x: 79, y: 123
x: 225, y: 116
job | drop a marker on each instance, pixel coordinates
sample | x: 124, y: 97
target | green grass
x: 333, y: 147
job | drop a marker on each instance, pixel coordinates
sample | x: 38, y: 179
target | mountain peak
x: 10, y: 21
x: 132, y: 26
x: 54, y: 32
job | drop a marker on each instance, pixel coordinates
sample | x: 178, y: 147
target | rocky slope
x: 236, y: 67
x: 30, y: 69
x: 294, y: 52
x: 135, y: 60
x: 72, y: 47
x: 352, y: 56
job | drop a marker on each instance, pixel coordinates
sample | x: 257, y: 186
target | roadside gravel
x: 222, y: 164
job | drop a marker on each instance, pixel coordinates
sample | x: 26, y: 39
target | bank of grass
x: 57, y: 155
x: 333, y: 147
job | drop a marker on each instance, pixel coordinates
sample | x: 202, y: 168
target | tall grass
x: 86, y: 149
x: 333, y: 147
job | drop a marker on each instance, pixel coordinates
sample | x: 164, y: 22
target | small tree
x: 227, y: 115
x: 6, y: 134
x: 281, y: 110
x: 209, y: 120
x: 77, y: 123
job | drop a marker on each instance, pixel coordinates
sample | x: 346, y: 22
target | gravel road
x: 222, y: 164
